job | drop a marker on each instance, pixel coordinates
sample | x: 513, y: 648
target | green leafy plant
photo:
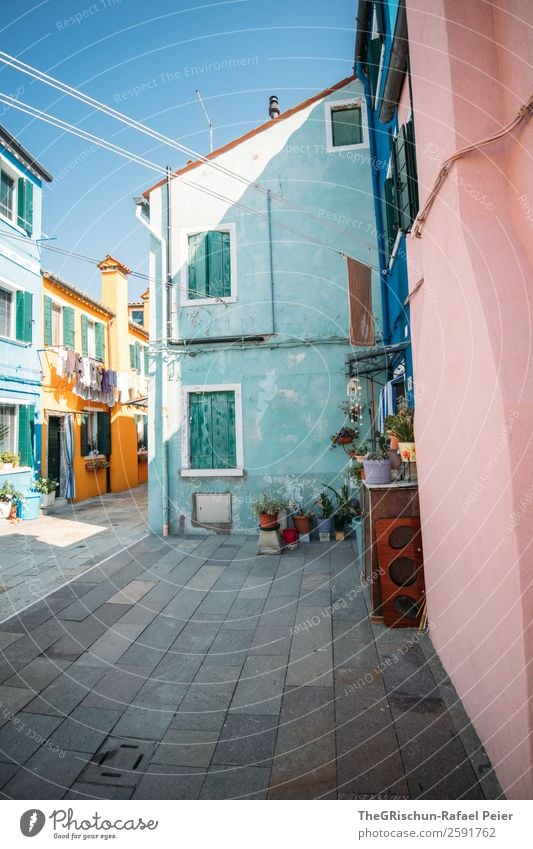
x: 44, y: 485
x: 268, y: 504
x: 9, y: 457
x: 9, y: 493
x: 326, y: 505
x: 402, y: 423
x: 347, y: 507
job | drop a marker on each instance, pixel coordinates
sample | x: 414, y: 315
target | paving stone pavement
x: 39, y: 555
x: 190, y: 668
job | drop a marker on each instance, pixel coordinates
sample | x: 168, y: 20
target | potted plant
x: 347, y: 508
x: 8, y: 497
x: 9, y: 460
x: 377, y: 464
x: 401, y: 426
x: 345, y: 436
x: 303, y: 520
x: 93, y: 448
x: 326, y: 506
x: 267, y: 507
x: 47, y: 487
x: 358, y: 452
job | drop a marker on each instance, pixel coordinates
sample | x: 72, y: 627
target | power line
x: 64, y: 88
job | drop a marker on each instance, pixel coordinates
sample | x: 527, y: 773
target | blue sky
x: 146, y: 60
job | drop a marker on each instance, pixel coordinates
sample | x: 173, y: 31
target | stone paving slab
x: 192, y: 668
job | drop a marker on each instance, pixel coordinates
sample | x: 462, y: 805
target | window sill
x: 16, y: 342
x: 212, y: 473
x: 89, y: 458
x: 195, y: 302
x: 341, y: 148
x: 16, y: 470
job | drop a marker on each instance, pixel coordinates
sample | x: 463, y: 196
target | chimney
x: 273, y: 107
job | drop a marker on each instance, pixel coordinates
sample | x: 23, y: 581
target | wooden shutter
x: 68, y: 327
x: 99, y: 341
x: 391, y: 213
x: 412, y: 175
x: 200, y: 445
x: 137, y: 356
x: 26, y: 426
x: 132, y: 356
x: 223, y: 430
x: 402, y: 184
x: 197, y: 266
x: 219, y: 264
x: 84, y: 435
x: 84, y: 336
x: 104, y: 433
x: 146, y: 354
x: 145, y: 431
x: 47, y: 314
x: 374, y: 56
x: 25, y: 204
x: 24, y: 324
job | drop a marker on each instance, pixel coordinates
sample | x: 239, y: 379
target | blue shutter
x: 197, y: 266
x: 219, y: 264
x: 223, y: 430
x: 201, y: 450
x: 47, y: 314
x: 26, y: 426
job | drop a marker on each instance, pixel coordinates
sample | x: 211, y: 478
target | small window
x: 209, y: 265
x: 95, y: 433
x: 6, y: 313
x: 56, y: 324
x: 8, y: 428
x: 141, y: 424
x: 7, y: 188
x: 137, y: 316
x: 346, y: 125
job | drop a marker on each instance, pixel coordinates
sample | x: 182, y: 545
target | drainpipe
x: 165, y: 256
x: 377, y: 200
x: 271, y: 259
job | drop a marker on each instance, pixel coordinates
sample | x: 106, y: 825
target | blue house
x: 251, y: 313
x: 21, y: 180
x: 382, y: 63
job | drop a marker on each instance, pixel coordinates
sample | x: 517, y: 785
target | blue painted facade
x: 21, y: 311
x: 281, y: 339
x: 376, y: 38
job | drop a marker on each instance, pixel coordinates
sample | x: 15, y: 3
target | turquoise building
x: 21, y: 180
x: 250, y: 313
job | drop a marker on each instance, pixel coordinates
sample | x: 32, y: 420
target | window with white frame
x: 90, y: 339
x: 141, y: 425
x: 346, y: 127
x: 212, y: 442
x: 7, y: 194
x: 208, y: 264
x: 95, y: 433
x: 6, y: 313
x: 8, y: 427
x: 56, y: 325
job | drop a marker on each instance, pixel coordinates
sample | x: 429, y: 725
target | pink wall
x: 472, y: 338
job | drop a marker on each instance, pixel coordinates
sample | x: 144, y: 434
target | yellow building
x: 95, y: 365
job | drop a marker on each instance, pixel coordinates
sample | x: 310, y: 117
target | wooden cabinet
x: 382, y: 501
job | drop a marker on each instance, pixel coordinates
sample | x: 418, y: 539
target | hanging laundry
x: 61, y: 362
x: 70, y: 366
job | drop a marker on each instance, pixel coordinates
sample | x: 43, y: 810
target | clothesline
x: 93, y: 382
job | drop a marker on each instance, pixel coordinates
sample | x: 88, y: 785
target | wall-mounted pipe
x: 271, y: 260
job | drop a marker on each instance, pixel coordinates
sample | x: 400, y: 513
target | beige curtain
x: 360, y: 298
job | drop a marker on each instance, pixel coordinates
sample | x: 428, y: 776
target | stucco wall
x: 471, y: 327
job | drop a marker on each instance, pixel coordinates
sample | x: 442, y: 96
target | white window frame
x: 183, y: 259
x: 11, y: 291
x: 330, y: 106
x: 91, y: 338
x: 186, y: 471
x: 92, y: 424
x: 380, y: 74
x: 58, y: 306
x: 11, y: 171
x: 136, y: 309
x: 4, y: 402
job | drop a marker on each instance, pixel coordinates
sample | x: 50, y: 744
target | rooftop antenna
x: 209, y: 124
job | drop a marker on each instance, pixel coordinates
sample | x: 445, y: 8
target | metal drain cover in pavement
x: 118, y: 762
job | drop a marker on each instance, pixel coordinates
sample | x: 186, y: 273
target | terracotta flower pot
x: 268, y: 520
x: 394, y: 442
x: 303, y: 524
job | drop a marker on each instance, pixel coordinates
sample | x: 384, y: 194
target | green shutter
x: 84, y: 436
x: 132, y: 356
x: 374, y: 56
x: 25, y: 204
x: 146, y: 354
x: 84, y: 336
x: 68, y: 327
x: 99, y: 343
x: 137, y: 356
x: 47, y: 313
x: 145, y: 431
x: 212, y: 430
x: 223, y: 430
x: 391, y: 213
x: 26, y: 426
x: 412, y: 175
x: 104, y: 433
x: 24, y: 324
x: 197, y: 266
x: 201, y: 449
x: 219, y: 264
